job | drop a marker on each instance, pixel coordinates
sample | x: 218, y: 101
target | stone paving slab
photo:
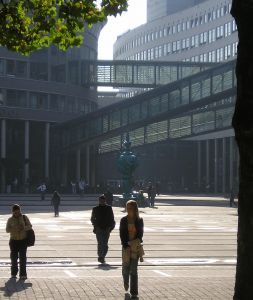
x: 111, y: 288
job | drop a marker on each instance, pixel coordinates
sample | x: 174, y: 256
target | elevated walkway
x: 190, y: 106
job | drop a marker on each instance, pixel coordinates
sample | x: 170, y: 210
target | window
x: 178, y: 45
x: 174, y: 46
x: 192, y: 41
x: 1, y: 66
x: 168, y: 47
x: 10, y: 67
x: 234, y: 27
x: 38, y: 101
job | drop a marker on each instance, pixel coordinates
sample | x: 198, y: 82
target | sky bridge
x: 196, y: 104
x: 137, y: 74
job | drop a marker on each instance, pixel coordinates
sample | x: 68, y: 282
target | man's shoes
x: 23, y: 277
x: 134, y: 297
x: 126, y: 286
x: 101, y: 260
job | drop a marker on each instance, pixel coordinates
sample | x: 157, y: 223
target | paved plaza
x: 189, y: 242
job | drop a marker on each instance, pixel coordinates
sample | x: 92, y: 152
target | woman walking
x: 55, y: 201
x: 17, y: 225
x: 131, y: 233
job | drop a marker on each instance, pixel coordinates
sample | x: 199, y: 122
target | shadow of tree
x: 12, y: 286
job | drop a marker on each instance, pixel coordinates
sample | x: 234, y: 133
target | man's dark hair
x: 15, y: 207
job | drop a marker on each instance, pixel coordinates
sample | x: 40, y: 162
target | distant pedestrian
x: 17, y: 225
x: 81, y: 186
x: 149, y: 191
x: 73, y: 186
x: 102, y: 218
x: 109, y: 197
x: 131, y: 233
x: 55, y: 201
x: 158, y: 187
x: 232, y: 198
x: 152, y: 196
x: 42, y: 188
x: 15, y: 185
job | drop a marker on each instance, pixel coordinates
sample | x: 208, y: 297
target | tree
x: 29, y: 25
x: 242, y: 10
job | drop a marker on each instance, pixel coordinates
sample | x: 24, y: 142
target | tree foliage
x: 29, y: 25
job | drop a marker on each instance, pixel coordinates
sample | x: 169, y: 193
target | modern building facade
x: 160, y: 8
x: 196, y: 31
x: 203, y: 31
x: 37, y: 92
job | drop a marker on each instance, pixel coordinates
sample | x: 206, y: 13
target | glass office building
x: 37, y: 92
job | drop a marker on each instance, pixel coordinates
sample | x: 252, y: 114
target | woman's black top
x: 123, y: 229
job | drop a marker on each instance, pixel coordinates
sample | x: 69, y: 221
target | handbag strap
x: 24, y: 218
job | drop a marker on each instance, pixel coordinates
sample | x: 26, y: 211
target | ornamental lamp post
x: 127, y: 163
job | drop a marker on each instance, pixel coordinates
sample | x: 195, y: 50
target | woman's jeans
x: 130, y: 270
x: 18, y: 250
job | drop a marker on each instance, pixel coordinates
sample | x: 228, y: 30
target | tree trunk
x: 242, y: 10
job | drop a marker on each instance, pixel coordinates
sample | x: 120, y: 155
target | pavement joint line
x: 70, y: 274
x: 162, y: 273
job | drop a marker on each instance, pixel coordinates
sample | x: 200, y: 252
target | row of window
x: 179, y: 46
x: 174, y: 128
x: 54, y: 102
x: 175, y: 28
x: 218, y: 55
x: 66, y: 71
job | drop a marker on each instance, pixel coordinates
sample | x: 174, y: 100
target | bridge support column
x: 93, y: 167
x: 207, y: 166
x: 215, y: 165
x: 47, y: 142
x: 78, y: 162
x: 3, y: 155
x: 199, y: 164
x: 224, y: 177
x: 87, y: 165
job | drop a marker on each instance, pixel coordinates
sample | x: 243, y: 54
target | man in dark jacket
x: 102, y: 218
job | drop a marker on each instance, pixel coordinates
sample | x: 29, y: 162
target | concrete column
x: 93, y: 168
x: 207, y: 166
x: 64, y: 168
x: 47, y: 142
x: 199, y: 164
x: 27, y: 155
x: 87, y: 165
x: 78, y: 164
x: 215, y: 165
x: 3, y: 154
x: 231, y: 162
x: 224, y: 165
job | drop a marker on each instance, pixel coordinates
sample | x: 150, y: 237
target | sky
x: 135, y: 16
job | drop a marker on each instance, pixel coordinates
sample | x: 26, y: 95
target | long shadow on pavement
x: 12, y: 286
